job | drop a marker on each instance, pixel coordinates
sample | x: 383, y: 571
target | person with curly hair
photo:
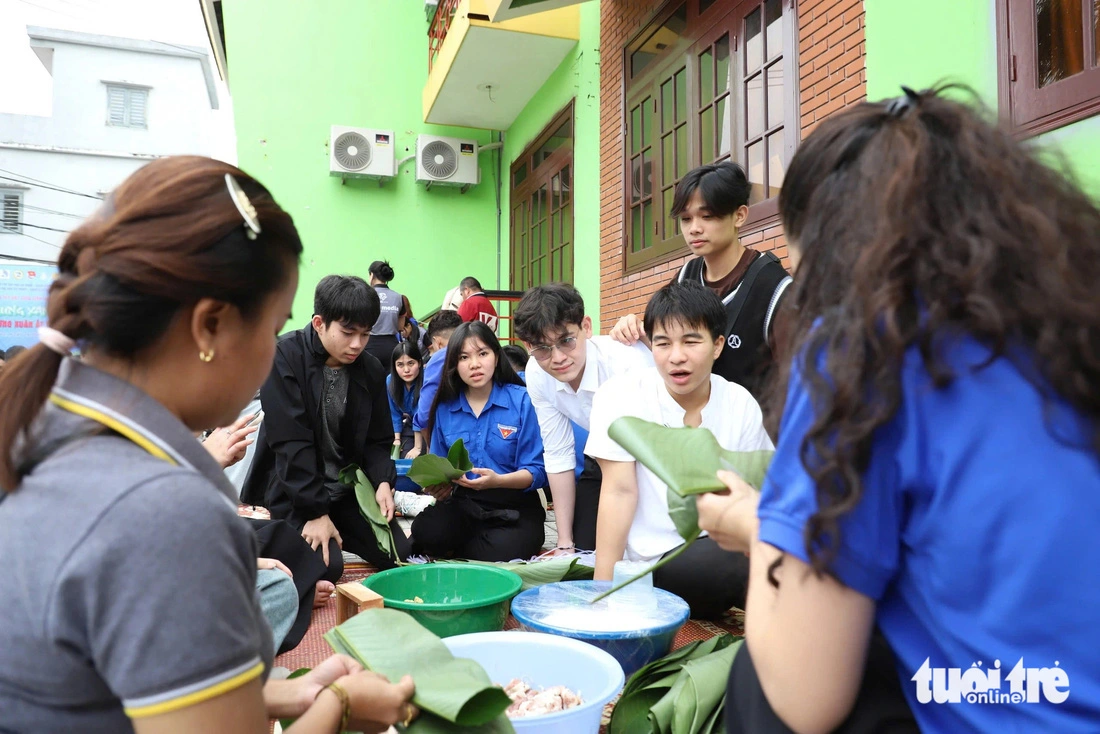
x: 937, y: 477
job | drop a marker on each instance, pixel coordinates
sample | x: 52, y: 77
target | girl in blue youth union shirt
x: 493, y: 513
x: 936, y: 475
x: 403, y: 388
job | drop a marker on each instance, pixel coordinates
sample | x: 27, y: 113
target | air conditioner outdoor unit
x: 446, y: 162
x: 356, y: 152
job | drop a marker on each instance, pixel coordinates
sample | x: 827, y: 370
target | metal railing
x: 437, y: 31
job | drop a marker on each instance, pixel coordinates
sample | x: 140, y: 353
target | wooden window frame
x: 531, y: 183
x: 1028, y: 108
x: 700, y: 33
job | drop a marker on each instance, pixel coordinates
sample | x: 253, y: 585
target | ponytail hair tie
x: 55, y: 341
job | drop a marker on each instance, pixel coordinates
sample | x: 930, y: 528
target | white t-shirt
x: 731, y: 414
x: 556, y: 403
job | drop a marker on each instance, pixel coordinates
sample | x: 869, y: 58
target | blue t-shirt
x: 978, y: 536
x: 504, y: 438
x: 408, y: 404
x: 433, y: 373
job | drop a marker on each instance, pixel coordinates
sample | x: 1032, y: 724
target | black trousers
x: 277, y: 539
x: 708, y: 578
x: 462, y: 527
x: 358, y: 537
x: 880, y: 706
x: 382, y: 346
x: 587, y: 505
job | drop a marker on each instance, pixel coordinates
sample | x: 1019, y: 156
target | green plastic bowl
x: 458, y: 598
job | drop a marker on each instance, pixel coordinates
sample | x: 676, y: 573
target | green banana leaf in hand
x: 455, y: 693
x: 428, y: 470
x: 538, y: 573
x: 687, y: 460
x: 353, y: 476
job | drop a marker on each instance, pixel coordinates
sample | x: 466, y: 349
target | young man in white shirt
x: 568, y: 364
x: 685, y: 323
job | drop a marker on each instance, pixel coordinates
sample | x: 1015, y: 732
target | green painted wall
x: 296, y: 68
x: 576, y: 78
x: 921, y: 43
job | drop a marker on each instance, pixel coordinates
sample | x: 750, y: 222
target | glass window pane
x: 647, y: 222
x: 775, y: 95
x: 681, y: 95
x: 636, y: 129
x: 668, y: 115
x: 668, y: 161
x: 566, y: 188
x: 555, y: 193
x: 670, y: 221
x: 755, y: 171
x: 647, y: 175
x: 704, y: 5
x: 706, y: 75
x: 773, y: 18
x: 567, y: 223
x: 520, y: 175
x: 635, y: 179
x: 683, y: 160
x: 544, y: 236
x: 706, y: 135
x: 775, y: 163
x: 722, y: 118
x: 647, y: 121
x: 1060, y: 39
x: 722, y: 59
x: 561, y: 138
x: 754, y: 102
x: 636, y: 236
x: 665, y: 36
x: 754, y: 42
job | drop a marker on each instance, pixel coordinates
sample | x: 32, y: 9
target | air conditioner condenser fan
x: 439, y: 159
x: 352, y: 151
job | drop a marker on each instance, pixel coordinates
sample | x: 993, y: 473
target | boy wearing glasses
x: 685, y: 323
x: 568, y: 364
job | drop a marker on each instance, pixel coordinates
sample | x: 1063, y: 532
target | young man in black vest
x: 711, y: 203
x: 325, y: 407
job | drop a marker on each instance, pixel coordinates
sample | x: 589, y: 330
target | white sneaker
x: 411, y: 504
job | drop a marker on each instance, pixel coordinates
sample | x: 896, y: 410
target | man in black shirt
x: 711, y: 203
x: 325, y: 407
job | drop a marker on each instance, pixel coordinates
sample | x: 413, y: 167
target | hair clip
x: 898, y: 106
x: 244, y: 206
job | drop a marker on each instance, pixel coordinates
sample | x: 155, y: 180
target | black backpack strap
x: 692, y: 270
x: 734, y: 306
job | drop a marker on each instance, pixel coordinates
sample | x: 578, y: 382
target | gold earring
x: 207, y: 356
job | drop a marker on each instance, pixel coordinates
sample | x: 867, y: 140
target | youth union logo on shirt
x: 983, y: 685
x: 506, y: 431
x: 734, y: 341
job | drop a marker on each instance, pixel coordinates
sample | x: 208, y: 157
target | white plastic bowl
x: 544, y: 661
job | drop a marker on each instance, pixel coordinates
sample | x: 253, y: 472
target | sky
x: 27, y: 85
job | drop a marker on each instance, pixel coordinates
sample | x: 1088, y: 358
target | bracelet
x: 345, y: 702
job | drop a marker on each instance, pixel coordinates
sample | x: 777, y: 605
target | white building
x: 117, y: 104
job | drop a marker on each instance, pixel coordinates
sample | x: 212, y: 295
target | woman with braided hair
x: 928, y: 527
x: 128, y: 578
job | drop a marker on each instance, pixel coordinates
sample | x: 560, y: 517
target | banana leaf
x: 687, y: 460
x: 538, y: 573
x: 353, y: 476
x: 455, y: 693
x: 395, y: 453
x: 653, y: 683
x: 702, y: 692
x: 428, y: 470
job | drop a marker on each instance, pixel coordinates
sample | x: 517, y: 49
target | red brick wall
x: 831, y: 74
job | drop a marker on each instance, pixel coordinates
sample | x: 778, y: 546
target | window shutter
x: 137, y: 107
x: 10, y: 215
x: 116, y: 106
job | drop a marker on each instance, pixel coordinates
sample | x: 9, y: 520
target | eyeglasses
x: 565, y: 345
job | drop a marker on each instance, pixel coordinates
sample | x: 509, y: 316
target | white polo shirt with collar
x: 731, y: 414
x: 556, y: 403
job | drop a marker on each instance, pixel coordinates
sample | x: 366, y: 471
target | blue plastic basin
x: 633, y: 635
x: 544, y: 661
